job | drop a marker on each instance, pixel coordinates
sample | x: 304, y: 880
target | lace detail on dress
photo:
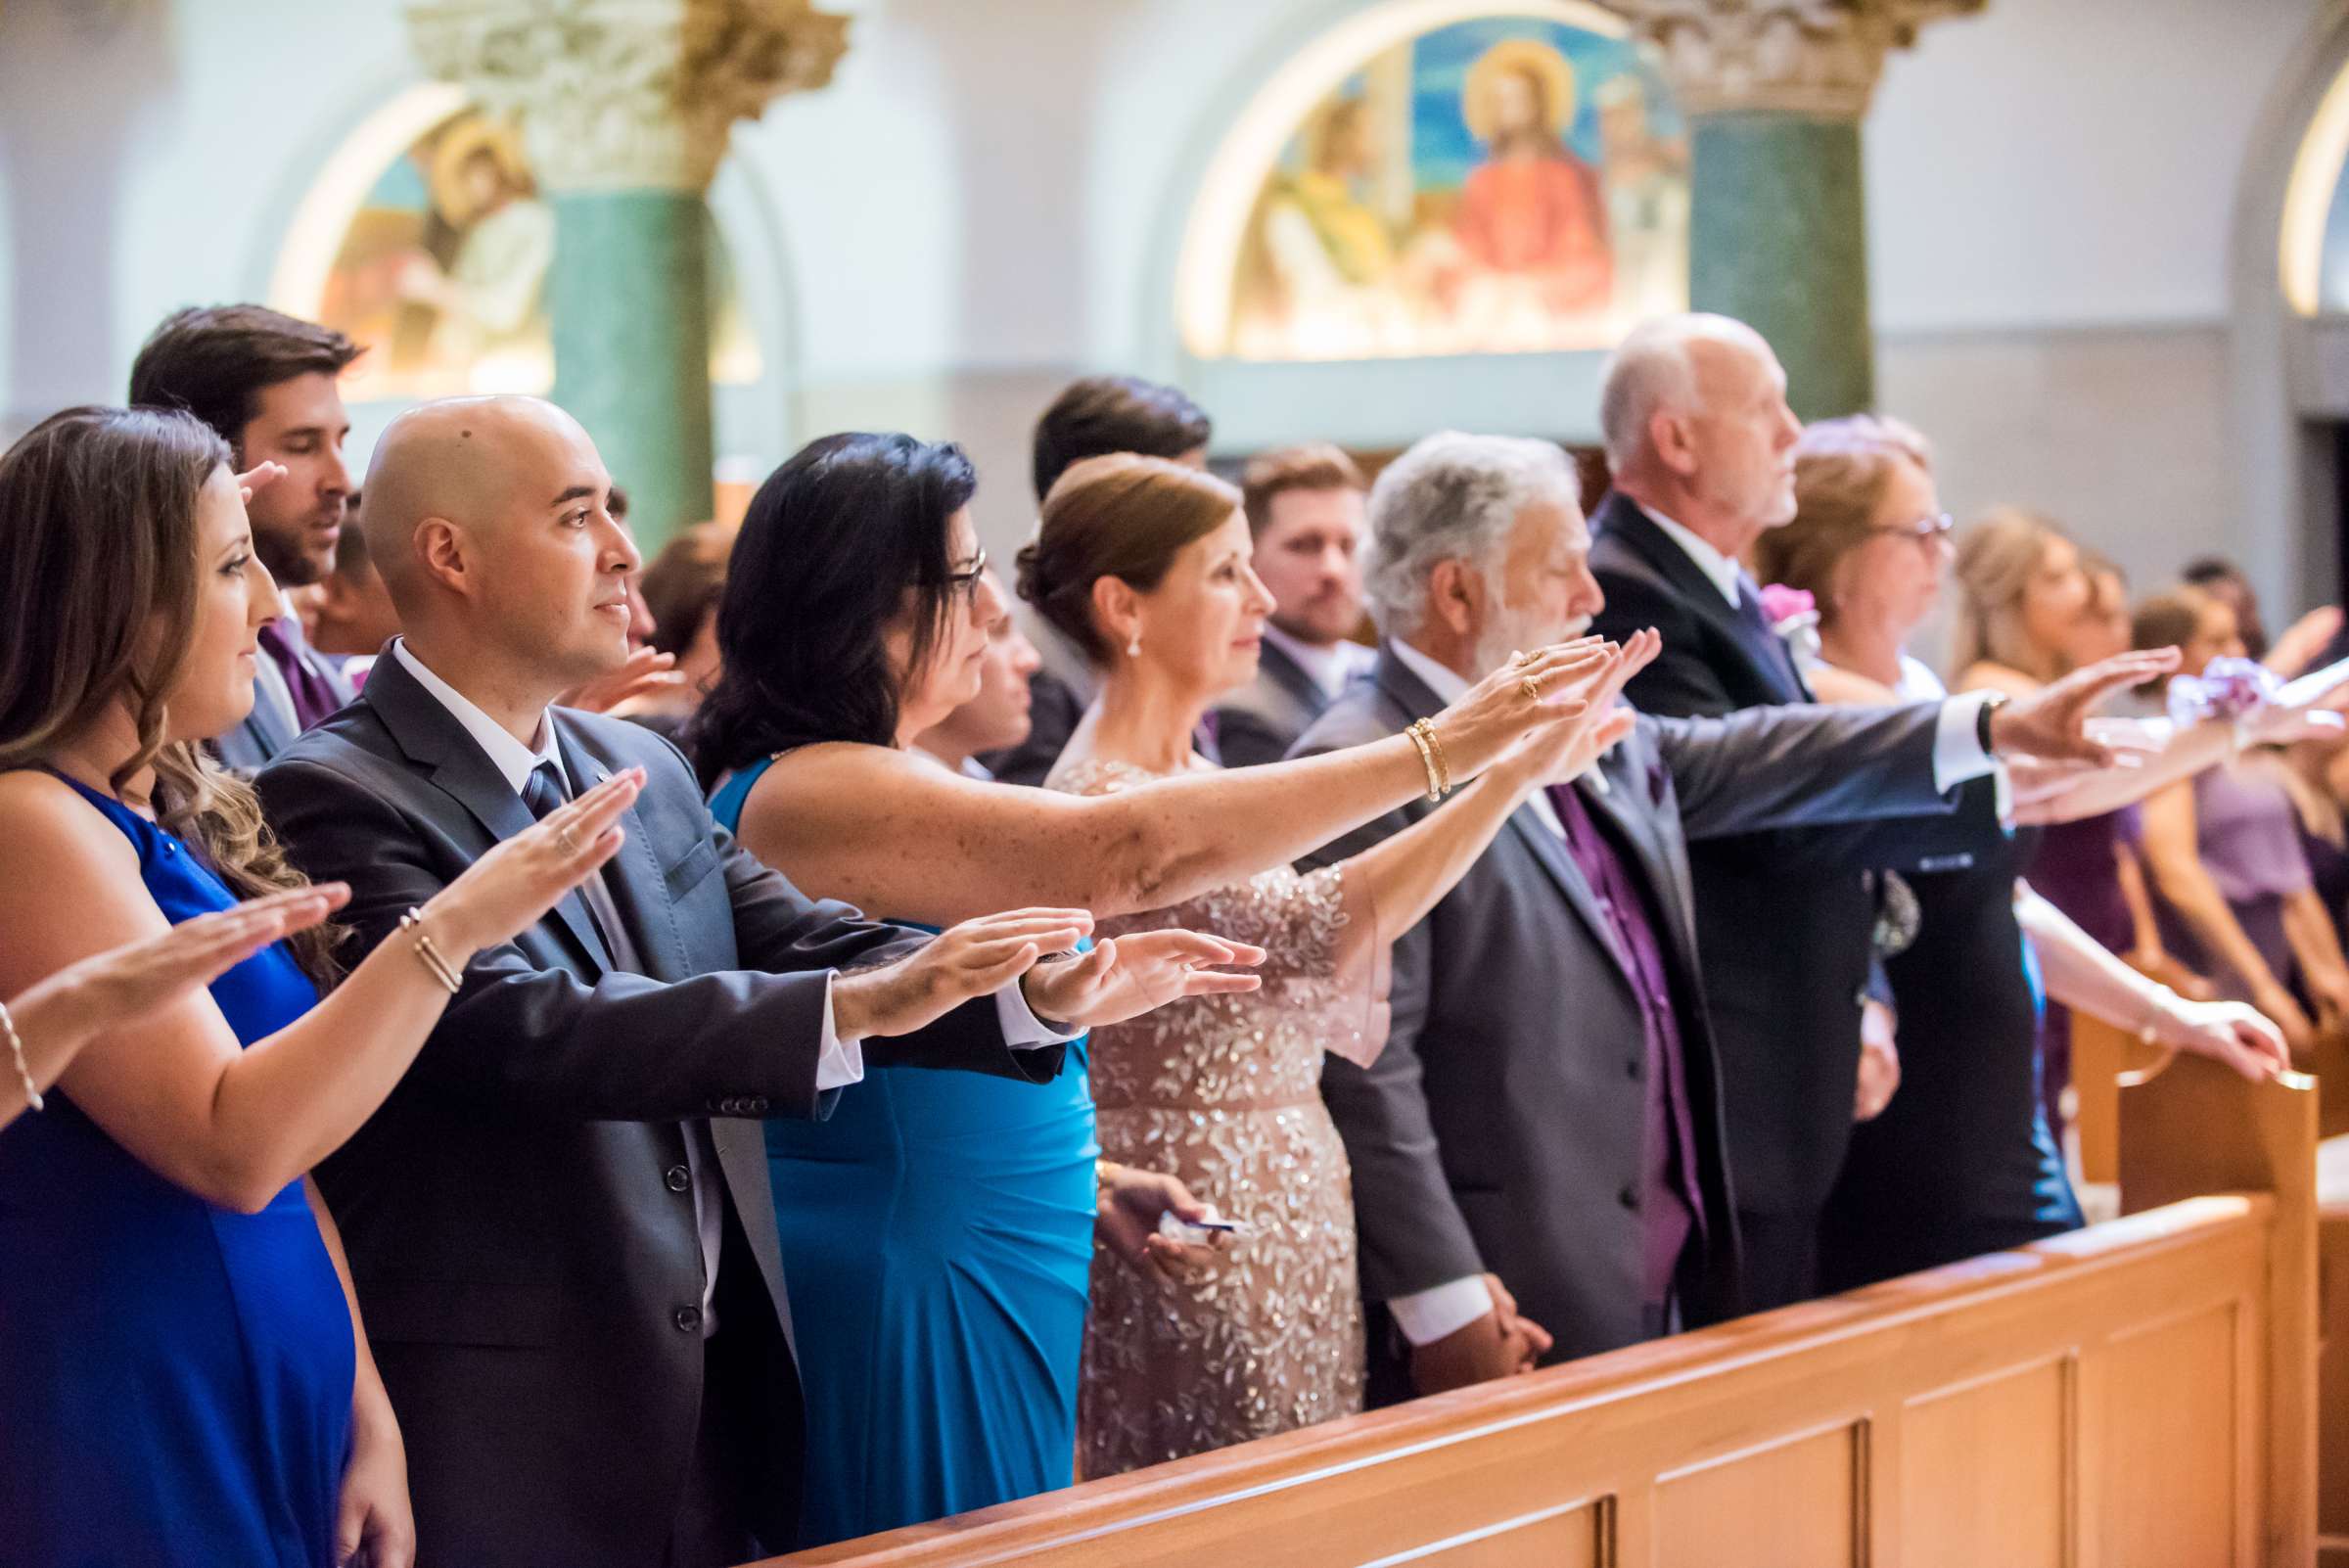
x: 1224, y: 1093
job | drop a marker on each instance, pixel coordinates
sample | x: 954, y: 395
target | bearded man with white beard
x: 1545, y: 1126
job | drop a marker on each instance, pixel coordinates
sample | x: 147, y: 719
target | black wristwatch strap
x: 1996, y: 701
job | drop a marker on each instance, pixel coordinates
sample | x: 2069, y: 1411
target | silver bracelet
x: 15, y: 1049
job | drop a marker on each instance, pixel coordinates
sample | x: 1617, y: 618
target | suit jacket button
x: 755, y: 1105
x: 688, y: 1319
x: 679, y: 1177
x: 1628, y: 1198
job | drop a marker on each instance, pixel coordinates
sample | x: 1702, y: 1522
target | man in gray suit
x: 1547, y: 1118
x: 1305, y: 510
x: 267, y: 383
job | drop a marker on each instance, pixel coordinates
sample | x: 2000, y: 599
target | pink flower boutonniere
x: 1793, y: 614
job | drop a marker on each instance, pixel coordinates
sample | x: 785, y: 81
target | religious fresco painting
x: 1501, y: 185
x: 442, y: 273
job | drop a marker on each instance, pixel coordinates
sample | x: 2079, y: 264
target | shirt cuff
x: 1022, y: 1028
x: 838, y: 1062
x: 1957, y: 753
x: 1427, y: 1315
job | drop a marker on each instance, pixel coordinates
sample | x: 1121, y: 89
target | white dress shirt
x: 1328, y: 666
x: 1957, y: 753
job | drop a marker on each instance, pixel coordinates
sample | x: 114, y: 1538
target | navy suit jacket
x: 520, y: 1231
x: 1786, y: 917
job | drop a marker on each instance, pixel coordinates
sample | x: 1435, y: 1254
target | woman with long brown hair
x: 183, y: 1374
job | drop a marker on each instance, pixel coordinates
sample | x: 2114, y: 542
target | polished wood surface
x: 2137, y: 1395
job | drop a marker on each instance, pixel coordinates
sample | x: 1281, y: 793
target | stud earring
x: 1133, y: 649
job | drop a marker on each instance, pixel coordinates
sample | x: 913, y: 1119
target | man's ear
x: 1456, y: 595
x: 446, y: 554
x: 1673, y: 443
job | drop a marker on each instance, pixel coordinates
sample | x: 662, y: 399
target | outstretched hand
x: 1125, y: 977
x: 641, y: 675
x: 2052, y: 724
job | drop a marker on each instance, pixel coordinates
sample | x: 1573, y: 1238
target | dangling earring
x: 1133, y: 649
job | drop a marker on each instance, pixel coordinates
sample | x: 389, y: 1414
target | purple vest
x: 1669, y: 1201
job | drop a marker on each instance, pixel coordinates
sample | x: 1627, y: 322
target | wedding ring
x: 1531, y: 687
x: 1518, y: 656
x: 571, y: 846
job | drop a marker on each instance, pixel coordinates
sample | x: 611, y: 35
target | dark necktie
x: 543, y: 792
x: 1782, y: 657
x: 313, y: 698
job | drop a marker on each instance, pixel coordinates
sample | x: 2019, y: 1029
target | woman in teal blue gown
x: 938, y: 1232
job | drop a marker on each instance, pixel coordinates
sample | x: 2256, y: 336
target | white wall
x: 986, y: 200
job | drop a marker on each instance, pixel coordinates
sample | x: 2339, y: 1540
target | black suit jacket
x: 1262, y: 720
x: 1786, y: 917
x: 517, y: 1216
x: 1500, y: 1128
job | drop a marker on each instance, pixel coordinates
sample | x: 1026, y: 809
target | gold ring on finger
x: 1518, y: 656
x: 1531, y: 687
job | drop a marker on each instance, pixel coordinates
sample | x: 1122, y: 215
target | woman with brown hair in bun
x: 1144, y: 564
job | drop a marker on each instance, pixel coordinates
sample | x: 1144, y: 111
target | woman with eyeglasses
x: 941, y: 1228
x: 1962, y: 1160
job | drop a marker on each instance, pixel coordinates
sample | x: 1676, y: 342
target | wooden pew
x: 2137, y: 1394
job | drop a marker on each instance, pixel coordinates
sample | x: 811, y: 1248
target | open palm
x: 1125, y: 977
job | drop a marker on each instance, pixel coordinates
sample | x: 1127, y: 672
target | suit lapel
x: 1624, y: 519
x: 1545, y: 847
x: 1290, y: 677
x: 1625, y: 803
x: 460, y: 769
x: 634, y: 876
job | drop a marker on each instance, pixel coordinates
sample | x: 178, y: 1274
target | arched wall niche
x: 1432, y: 315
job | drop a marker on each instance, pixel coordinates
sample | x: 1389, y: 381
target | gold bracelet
x: 1419, y: 731
x: 1443, y: 763
x: 428, y: 955
x: 15, y: 1049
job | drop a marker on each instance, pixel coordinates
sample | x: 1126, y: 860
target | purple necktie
x: 313, y: 698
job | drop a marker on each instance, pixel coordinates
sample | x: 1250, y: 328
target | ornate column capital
x: 626, y: 94
x: 1819, y: 58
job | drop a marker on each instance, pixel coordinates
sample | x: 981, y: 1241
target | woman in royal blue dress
x: 940, y: 1233
x: 183, y: 1375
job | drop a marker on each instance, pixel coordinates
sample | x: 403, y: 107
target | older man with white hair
x: 1541, y: 1143
x: 1701, y: 445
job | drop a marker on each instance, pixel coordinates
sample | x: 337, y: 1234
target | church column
x: 625, y: 107
x: 1777, y: 231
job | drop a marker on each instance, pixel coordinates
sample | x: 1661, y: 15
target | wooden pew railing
x: 2137, y: 1394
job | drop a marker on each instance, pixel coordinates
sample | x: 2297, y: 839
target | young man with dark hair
x: 266, y: 383
x: 1090, y: 418
x: 1307, y: 513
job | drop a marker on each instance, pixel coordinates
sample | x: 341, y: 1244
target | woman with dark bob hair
x: 183, y: 1374
x: 942, y: 1233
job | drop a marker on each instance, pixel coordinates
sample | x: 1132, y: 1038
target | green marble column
x: 1778, y: 239
x: 628, y: 295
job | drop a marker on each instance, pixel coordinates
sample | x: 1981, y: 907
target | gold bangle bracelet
x: 1427, y: 758
x: 428, y: 955
x: 16, y: 1050
x: 1443, y: 763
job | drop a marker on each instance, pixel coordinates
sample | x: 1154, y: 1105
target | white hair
x: 1651, y: 370
x: 1453, y: 498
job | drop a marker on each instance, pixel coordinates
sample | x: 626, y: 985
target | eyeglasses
x: 1924, y: 530
x: 964, y: 584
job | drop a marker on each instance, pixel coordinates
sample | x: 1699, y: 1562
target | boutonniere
x: 1793, y: 614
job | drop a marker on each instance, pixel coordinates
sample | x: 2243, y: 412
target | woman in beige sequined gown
x: 1144, y: 563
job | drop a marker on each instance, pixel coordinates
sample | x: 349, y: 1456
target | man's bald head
x: 1661, y: 367
x: 474, y: 463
